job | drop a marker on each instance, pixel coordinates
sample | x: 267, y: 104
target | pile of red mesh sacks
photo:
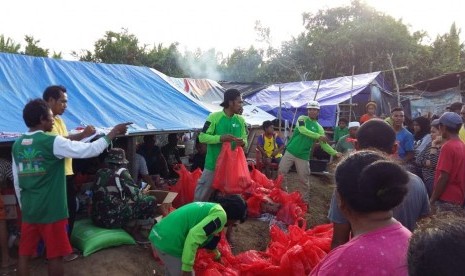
x: 266, y: 196
x: 294, y: 253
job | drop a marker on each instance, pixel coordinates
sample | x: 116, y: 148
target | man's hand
x: 240, y: 143
x: 118, y: 130
x: 437, y: 142
x: 227, y: 138
x: 338, y: 155
x: 231, y: 138
x: 88, y: 131
x: 323, y: 138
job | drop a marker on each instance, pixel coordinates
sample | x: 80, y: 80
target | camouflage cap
x: 117, y: 156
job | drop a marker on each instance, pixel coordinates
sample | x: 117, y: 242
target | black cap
x: 230, y: 95
x: 456, y: 106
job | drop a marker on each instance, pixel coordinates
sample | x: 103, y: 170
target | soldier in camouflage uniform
x: 116, y: 199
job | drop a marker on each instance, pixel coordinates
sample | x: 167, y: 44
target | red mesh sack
x: 232, y: 174
x: 185, y: 186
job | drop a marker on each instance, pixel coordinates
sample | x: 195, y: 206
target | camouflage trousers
x: 116, y: 213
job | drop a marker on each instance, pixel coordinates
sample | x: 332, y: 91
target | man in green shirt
x: 341, y: 129
x: 307, y: 132
x: 40, y: 184
x: 346, y: 142
x: 222, y: 126
x: 177, y: 237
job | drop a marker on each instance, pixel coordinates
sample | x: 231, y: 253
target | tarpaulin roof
x: 439, y: 83
x: 210, y: 94
x: 99, y: 94
x: 246, y: 88
x: 295, y: 95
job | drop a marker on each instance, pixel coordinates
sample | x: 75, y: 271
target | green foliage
x: 447, y: 51
x: 165, y: 60
x: 243, y: 65
x: 337, y: 39
x: 7, y: 45
x: 123, y: 48
x: 33, y: 48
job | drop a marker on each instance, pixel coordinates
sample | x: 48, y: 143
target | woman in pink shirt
x: 369, y: 186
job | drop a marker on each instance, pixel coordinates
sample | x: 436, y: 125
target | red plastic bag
x: 261, y: 178
x: 232, y: 174
x: 185, y: 187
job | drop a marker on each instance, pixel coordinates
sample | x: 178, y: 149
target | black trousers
x: 71, y: 197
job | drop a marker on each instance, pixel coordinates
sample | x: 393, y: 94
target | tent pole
x: 279, y: 110
x: 318, y: 88
x: 351, y: 89
x: 395, y: 78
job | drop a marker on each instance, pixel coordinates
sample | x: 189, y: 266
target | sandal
x: 70, y: 257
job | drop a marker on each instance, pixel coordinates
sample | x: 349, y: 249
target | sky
x: 69, y: 25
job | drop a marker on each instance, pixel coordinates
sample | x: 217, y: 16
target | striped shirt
x: 5, y: 170
x: 428, y: 172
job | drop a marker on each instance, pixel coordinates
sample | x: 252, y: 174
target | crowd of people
x: 389, y: 181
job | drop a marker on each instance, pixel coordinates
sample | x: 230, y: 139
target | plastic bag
x: 185, y: 186
x: 261, y: 178
x: 232, y: 174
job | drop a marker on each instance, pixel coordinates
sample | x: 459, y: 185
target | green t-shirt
x: 217, y: 124
x: 186, y: 229
x: 339, y: 132
x: 304, y: 136
x: 41, y: 177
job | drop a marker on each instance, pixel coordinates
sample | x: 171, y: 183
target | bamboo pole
x: 280, y: 110
x: 395, y: 78
x: 318, y: 88
x: 351, y: 89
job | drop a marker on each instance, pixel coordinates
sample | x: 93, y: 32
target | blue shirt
x: 404, y: 141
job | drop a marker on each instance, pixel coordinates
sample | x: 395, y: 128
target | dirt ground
x: 137, y: 260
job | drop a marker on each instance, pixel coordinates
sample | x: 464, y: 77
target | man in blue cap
x: 449, y: 182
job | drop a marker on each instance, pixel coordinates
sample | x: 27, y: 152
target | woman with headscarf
x: 422, y: 137
x: 427, y: 159
x: 369, y: 187
x: 371, y: 112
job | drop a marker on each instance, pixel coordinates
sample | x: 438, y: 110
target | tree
x: 447, y: 51
x: 243, y: 65
x: 123, y: 48
x: 119, y: 48
x: 7, y: 45
x: 337, y: 39
x: 57, y: 55
x: 33, y: 48
x: 359, y: 36
x: 165, y: 60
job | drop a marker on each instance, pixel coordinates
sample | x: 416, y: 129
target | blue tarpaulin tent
x: 210, y: 94
x: 295, y: 96
x: 99, y: 94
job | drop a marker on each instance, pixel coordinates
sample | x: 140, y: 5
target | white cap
x: 313, y: 104
x: 354, y: 124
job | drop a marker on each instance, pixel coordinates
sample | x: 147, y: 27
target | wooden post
x: 351, y: 89
x: 395, y: 78
x: 131, y: 155
x: 279, y: 110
